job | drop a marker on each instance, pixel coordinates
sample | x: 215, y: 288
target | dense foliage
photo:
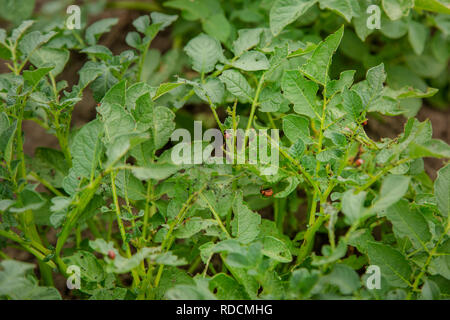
x: 140, y: 226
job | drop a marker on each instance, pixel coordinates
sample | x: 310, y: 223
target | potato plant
x: 110, y: 211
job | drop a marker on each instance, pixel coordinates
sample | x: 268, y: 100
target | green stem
x: 46, y: 184
x: 308, y: 240
x: 216, y: 216
x: 167, y: 242
x: 120, y: 224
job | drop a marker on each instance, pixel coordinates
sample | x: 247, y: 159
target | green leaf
x: 246, y: 223
x: 109, y: 294
x: 162, y: 126
x: 247, y: 39
x: 237, y: 85
x: 6, y: 141
x: 227, y: 288
x: 213, y: 89
x: 301, y: 92
x: 199, y: 291
x: 98, y: 51
x: 296, y: 127
x: 302, y: 281
x: 33, y: 40
x: 217, y: 26
x: 90, y: 267
x: 343, y: 277
x: 117, y: 121
x: 394, y: 267
x: 276, y: 249
x: 157, y: 171
x: 284, y: 12
x: 165, y: 88
x: 432, y: 5
x: 345, y: 81
x: 417, y: 35
x: 395, y: 9
x: 17, y: 284
x: 252, y: 61
x: 440, y: 263
x: 409, y: 222
x: 116, y: 95
x: 197, y: 9
x: 86, y: 150
x: 341, y: 7
x: 434, y: 148
x: 51, y: 165
x: 392, y: 190
x: 16, y: 10
x: 95, y: 30
x: 33, y: 77
x: 430, y: 291
x: 204, y: 52
x: 59, y: 57
x: 353, y: 205
x: 317, y: 67
x: 442, y: 190
x: 352, y: 104
x: 164, y: 20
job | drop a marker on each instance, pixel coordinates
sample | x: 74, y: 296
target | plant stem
x: 121, y: 226
x: 216, y: 216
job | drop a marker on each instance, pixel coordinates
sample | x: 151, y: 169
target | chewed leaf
x: 317, y: 67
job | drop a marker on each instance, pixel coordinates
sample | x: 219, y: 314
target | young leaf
x: 95, y: 30
x: 204, y: 52
x: 59, y: 57
x: 417, y: 35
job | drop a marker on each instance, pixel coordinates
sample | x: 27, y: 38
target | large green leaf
x: 86, y: 150
x: 301, y: 92
x: 392, y: 190
x: 237, y: 85
x: 284, y: 12
x: 204, y: 52
x: 409, y: 223
x: 317, y: 67
x: 442, y: 190
x: 246, y: 223
x: 17, y: 284
x: 394, y: 267
x: 433, y: 5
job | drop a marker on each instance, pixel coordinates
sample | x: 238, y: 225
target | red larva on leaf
x: 111, y: 254
x: 365, y: 122
x: 359, y: 162
x: 267, y: 192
